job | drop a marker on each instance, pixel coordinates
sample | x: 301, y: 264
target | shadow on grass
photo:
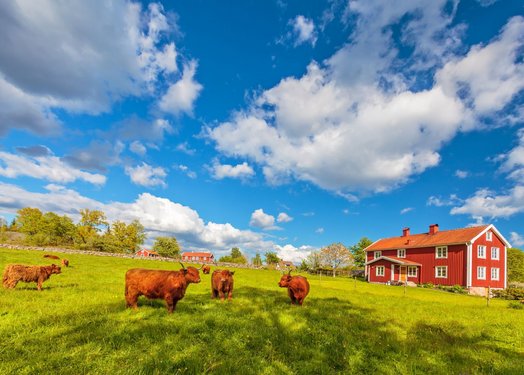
x: 259, y: 332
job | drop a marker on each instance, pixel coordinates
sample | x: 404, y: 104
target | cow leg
x: 291, y: 296
x: 230, y: 295
x: 214, y: 293
x: 221, y: 293
x: 131, y: 300
x: 39, y: 284
x: 171, y: 304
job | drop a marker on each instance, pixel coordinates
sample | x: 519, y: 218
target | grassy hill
x: 79, y: 324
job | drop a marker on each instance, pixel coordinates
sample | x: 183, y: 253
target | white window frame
x: 401, y: 253
x: 489, y: 236
x: 497, y: 250
x: 481, y: 273
x: 481, y: 247
x: 382, y: 272
x: 377, y: 254
x: 411, y: 274
x: 443, y: 275
x: 497, y: 272
x: 443, y: 252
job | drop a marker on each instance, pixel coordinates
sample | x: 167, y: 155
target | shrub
x: 510, y: 294
x: 518, y: 305
x: 427, y: 285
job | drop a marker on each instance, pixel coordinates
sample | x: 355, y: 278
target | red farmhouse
x: 471, y: 257
x: 146, y: 253
x: 198, y: 257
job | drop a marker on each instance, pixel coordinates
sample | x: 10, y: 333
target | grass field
x: 79, y: 325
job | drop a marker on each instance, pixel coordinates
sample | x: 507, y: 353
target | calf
x: 153, y: 284
x: 297, y: 287
x: 65, y: 262
x: 222, y: 284
x: 51, y: 256
x: 206, y: 269
x: 14, y: 273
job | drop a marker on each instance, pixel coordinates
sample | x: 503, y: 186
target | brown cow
x: 14, y: 273
x: 51, y: 256
x: 168, y: 285
x: 297, y: 287
x: 206, y: 269
x: 65, y: 262
x: 222, y: 284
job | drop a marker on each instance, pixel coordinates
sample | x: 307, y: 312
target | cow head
x: 191, y: 274
x: 53, y: 268
x: 285, y: 280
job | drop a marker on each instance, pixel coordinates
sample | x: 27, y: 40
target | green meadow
x: 79, y: 324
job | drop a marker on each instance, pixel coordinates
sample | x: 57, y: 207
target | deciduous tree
x: 357, y: 250
x: 336, y: 255
x: 167, y: 247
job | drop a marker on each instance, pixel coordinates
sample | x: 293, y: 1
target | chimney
x: 433, y: 228
x: 405, y: 232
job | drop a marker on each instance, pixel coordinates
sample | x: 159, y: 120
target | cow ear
x: 185, y: 271
x: 232, y: 273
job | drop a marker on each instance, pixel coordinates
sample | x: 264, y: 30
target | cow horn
x: 289, y: 273
x: 201, y: 267
x: 182, y: 265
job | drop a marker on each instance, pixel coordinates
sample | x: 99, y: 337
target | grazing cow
x: 168, y: 285
x: 222, y: 284
x: 297, y: 287
x: 51, y: 256
x: 206, y: 269
x: 65, y: 262
x: 14, y: 273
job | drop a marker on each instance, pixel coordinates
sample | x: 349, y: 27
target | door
x: 403, y: 273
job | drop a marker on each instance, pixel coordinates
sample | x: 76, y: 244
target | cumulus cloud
x: 159, y: 216
x: 137, y: 148
x: 487, y: 203
x: 65, y: 63
x: 34, y: 151
x: 284, y: 218
x: 146, y: 175
x: 262, y: 220
x: 49, y: 168
x: 292, y: 253
x: 97, y: 156
x: 516, y: 239
x: 319, y: 230
x: 304, y: 30
x: 440, y: 202
x: 461, y: 174
x: 181, y: 95
x: 240, y: 171
x: 185, y: 169
x: 358, y: 125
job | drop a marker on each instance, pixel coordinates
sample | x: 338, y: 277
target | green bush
x: 516, y: 305
x: 509, y: 293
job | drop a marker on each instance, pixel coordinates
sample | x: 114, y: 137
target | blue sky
x: 268, y: 125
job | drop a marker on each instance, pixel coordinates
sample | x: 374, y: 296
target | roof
x: 401, y: 261
x: 444, y: 237
x: 201, y: 254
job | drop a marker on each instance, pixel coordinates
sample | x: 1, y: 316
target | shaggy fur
x: 206, y: 269
x: 14, y: 273
x: 51, y: 256
x: 222, y: 284
x: 297, y: 287
x: 168, y: 285
x: 65, y: 262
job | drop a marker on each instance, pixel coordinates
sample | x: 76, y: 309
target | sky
x: 278, y: 125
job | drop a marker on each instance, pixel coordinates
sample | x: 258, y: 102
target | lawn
x: 79, y: 324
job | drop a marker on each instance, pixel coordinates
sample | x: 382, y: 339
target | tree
x: 90, y: 224
x: 30, y: 221
x: 167, y: 247
x: 235, y: 257
x: 257, y: 260
x: 271, y: 258
x: 312, y: 262
x: 236, y: 253
x: 359, y: 255
x: 515, y: 265
x: 336, y: 255
x: 128, y: 238
x: 58, y: 230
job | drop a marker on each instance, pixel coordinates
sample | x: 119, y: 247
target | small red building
x: 146, y: 253
x: 472, y: 257
x: 198, y: 257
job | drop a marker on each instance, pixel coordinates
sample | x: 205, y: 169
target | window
x: 495, y: 253
x: 494, y: 274
x: 488, y: 236
x: 441, y: 252
x: 401, y: 253
x: 377, y: 254
x: 481, y: 273
x: 380, y: 271
x: 481, y: 251
x: 412, y: 271
x: 441, y: 272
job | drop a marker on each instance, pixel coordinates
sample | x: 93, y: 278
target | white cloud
x: 185, y: 169
x: 284, y: 218
x: 138, y: 148
x: 181, y: 95
x: 406, y: 210
x: 159, y: 216
x: 516, y: 239
x: 461, y: 174
x: 241, y: 171
x: 262, y: 220
x: 55, y: 59
x: 49, y: 168
x: 304, y: 30
x: 355, y: 125
x: 294, y: 254
x: 440, y: 202
x: 146, y: 175
x: 185, y: 148
x: 319, y: 230
x: 486, y: 203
